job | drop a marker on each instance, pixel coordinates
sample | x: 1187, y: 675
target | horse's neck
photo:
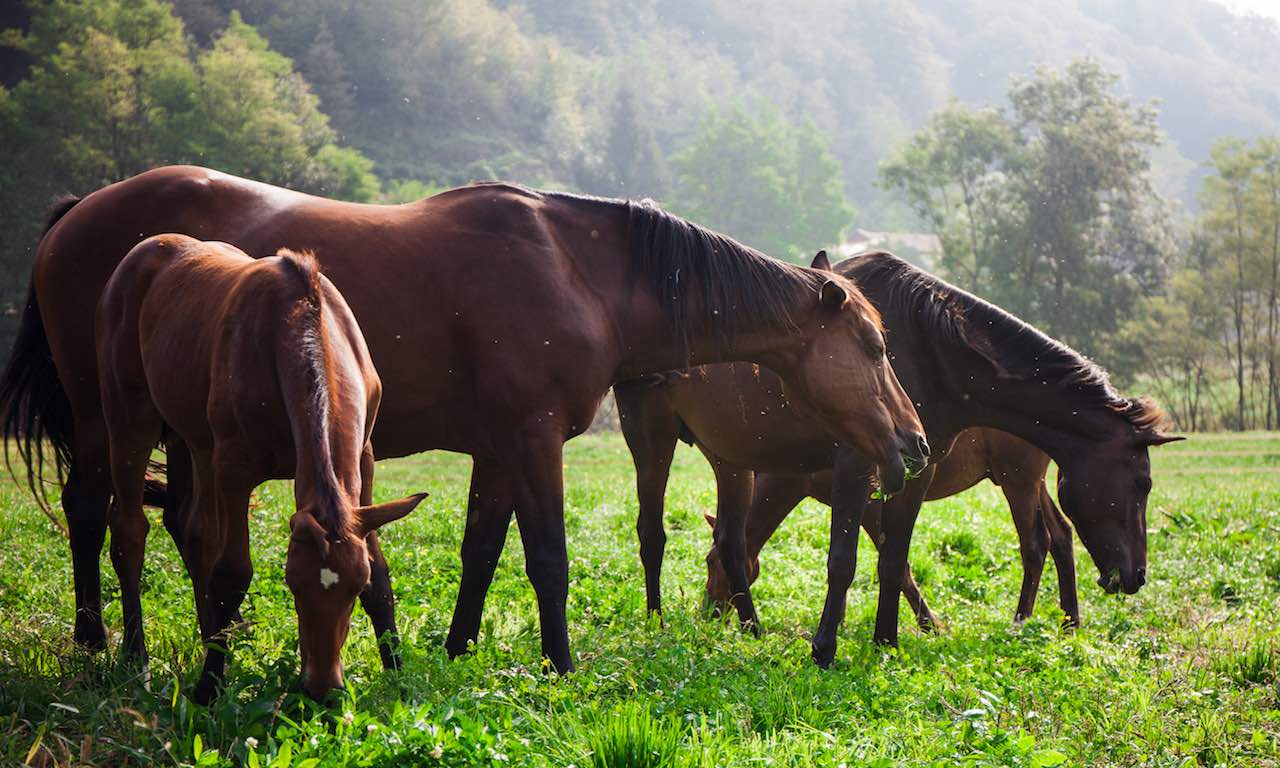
x: 956, y: 399
x: 651, y: 344
x: 326, y: 467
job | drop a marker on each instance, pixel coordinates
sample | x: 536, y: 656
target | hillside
x: 471, y: 97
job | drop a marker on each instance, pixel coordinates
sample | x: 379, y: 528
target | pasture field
x: 1183, y: 673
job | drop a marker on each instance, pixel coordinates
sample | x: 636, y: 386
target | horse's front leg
x: 225, y: 573
x: 377, y: 598
x: 898, y: 519
x: 651, y: 430
x: 851, y: 484
x: 734, y: 489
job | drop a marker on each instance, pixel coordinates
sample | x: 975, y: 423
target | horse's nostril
x: 923, y: 446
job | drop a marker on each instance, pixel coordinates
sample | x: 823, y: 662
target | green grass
x: 1183, y: 673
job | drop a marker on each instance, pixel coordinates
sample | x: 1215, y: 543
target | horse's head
x: 844, y: 379
x: 326, y: 570
x: 718, y: 592
x: 1103, y: 490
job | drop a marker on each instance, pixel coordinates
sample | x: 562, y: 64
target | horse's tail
x: 34, y: 409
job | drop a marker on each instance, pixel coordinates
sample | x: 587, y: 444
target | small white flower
x: 438, y: 752
x: 251, y: 742
x: 370, y: 728
x: 348, y: 718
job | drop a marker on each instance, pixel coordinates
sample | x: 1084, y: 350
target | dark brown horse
x: 965, y: 363
x: 978, y: 454
x: 260, y: 368
x: 497, y: 317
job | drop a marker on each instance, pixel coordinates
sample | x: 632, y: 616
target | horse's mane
x: 306, y: 316
x: 710, y: 283
x: 1014, y: 348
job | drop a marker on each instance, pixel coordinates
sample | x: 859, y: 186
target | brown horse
x: 978, y: 454
x: 965, y: 363
x: 260, y: 368
x: 497, y: 317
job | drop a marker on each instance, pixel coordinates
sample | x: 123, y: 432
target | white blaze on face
x: 328, y: 578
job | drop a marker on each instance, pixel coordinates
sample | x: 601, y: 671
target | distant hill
x: 452, y: 90
x: 869, y: 72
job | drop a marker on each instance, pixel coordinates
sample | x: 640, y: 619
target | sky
x: 1269, y: 8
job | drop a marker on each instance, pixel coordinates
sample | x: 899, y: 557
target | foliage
x: 773, y: 185
x: 1047, y: 209
x: 115, y: 89
x: 1170, y: 676
x: 1210, y: 342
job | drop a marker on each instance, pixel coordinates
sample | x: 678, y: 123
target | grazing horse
x: 978, y: 454
x: 497, y: 317
x: 966, y: 363
x: 260, y: 368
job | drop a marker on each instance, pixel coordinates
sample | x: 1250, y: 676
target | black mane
x: 708, y: 282
x: 1014, y: 348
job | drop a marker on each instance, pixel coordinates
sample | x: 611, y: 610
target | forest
x: 1109, y: 172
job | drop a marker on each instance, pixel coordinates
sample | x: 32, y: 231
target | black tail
x: 34, y: 409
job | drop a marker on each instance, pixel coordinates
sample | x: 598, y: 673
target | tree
x: 115, y: 89
x: 758, y: 178
x: 1046, y: 208
x: 636, y: 167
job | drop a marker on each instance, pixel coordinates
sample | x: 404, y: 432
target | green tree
x: 1046, y: 208
x: 116, y: 88
x: 758, y: 178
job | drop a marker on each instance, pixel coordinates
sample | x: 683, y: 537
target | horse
x: 260, y: 368
x: 978, y: 454
x: 966, y: 363
x: 497, y: 316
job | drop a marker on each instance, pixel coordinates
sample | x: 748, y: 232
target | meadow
x: 1183, y: 673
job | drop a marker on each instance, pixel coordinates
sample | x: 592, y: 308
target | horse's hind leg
x: 489, y: 509
x: 377, y: 598
x: 1064, y: 556
x: 85, y: 498
x: 134, y: 429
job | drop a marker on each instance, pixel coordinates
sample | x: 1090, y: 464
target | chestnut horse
x: 497, y: 317
x: 259, y: 367
x: 978, y: 454
x: 966, y: 363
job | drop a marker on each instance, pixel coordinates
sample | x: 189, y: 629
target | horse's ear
x: 711, y: 520
x: 305, y: 529
x: 833, y: 295
x: 371, y: 518
x: 1159, y: 438
x: 821, y: 262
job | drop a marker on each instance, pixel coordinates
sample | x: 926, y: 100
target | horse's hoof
x: 824, y: 655
x: 929, y: 624
x: 1070, y: 623
x: 91, y: 635
x: 205, y: 692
